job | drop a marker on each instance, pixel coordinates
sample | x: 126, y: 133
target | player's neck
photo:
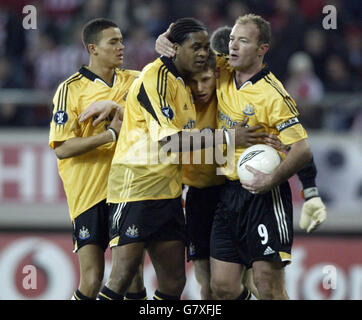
x: 181, y: 70
x: 102, y: 71
x: 200, y: 105
x: 241, y: 76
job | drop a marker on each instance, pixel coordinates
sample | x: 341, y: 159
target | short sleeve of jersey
x: 64, y: 122
x: 283, y: 115
x: 159, y: 107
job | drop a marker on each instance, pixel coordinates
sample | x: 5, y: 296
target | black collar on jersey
x: 92, y: 76
x: 260, y: 75
x: 171, y: 66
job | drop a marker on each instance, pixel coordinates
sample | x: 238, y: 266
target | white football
x: 259, y: 156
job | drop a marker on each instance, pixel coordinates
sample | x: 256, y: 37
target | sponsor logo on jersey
x: 226, y: 119
x: 268, y: 251
x: 190, y: 124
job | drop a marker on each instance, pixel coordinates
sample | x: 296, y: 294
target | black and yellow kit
x: 250, y: 227
x: 159, y: 104
x: 85, y: 176
x: 203, y: 187
x: 145, y: 182
x: 263, y: 100
x: 199, y: 166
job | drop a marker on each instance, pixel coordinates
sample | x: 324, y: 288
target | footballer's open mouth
x: 233, y: 56
x: 201, y: 96
x: 200, y: 63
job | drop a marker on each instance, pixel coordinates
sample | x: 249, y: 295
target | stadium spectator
x: 315, y: 45
x: 338, y: 76
x: 338, y: 79
x: 354, y: 50
x: 306, y: 88
x: 134, y: 57
x: 57, y: 19
x: 288, y: 24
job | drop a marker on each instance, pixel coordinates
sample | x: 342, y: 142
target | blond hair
x: 262, y: 25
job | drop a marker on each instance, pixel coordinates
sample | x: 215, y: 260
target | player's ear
x: 263, y: 49
x: 92, y: 49
x: 176, y: 47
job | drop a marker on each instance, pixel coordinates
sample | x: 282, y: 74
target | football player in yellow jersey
x: 85, y: 152
x: 144, y: 190
x: 265, y: 243
x: 202, y: 184
x: 314, y: 210
x: 255, y: 229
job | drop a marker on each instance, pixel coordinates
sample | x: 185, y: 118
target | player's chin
x: 233, y: 63
x: 118, y: 63
x: 198, y: 67
x: 236, y: 63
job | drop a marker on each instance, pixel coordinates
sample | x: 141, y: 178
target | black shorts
x: 200, y: 208
x: 249, y: 227
x: 91, y: 227
x: 148, y: 220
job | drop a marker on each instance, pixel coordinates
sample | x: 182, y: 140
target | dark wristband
x: 308, y: 174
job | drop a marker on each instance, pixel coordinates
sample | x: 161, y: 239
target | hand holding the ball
x: 256, y: 166
x: 261, y: 182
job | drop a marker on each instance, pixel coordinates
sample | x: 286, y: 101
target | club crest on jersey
x: 132, y: 232
x: 60, y: 117
x: 249, y: 110
x: 84, y: 233
x: 167, y: 112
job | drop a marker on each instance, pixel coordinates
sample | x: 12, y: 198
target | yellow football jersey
x: 158, y: 105
x: 85, y: 176
x: 263, y: 100
x: 200, y: 172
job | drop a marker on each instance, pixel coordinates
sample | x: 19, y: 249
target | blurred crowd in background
x: 309, y: 60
